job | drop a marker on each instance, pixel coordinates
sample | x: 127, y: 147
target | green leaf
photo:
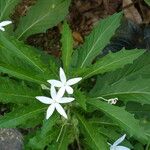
x: 21, y: 115
x: 6, y: 8
x: 25, y: 62
x: 137, y: 90
x: 97, y: 40
x: 43, y: 15
x: 147, y: 1
x: 111, y: 62
x: 39, y: 144
x: 132, y: 83
x: 17, y: 92
x: 66, y: 138
x: 125, y: 120
x: 80, y: 97
x: 67, y: 46
x: 45, y: 135
x: 97, y: 141
x: 20, y: 50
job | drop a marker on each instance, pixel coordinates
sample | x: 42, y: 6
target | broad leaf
x: 43, y: 15
x: 66, y: 138
x: 25, y: 62
x: 148, y: 2
x: 111, y: 62
x: 17, y: 92
x: 21, y: 116
x: 80, y: 97
x: 44, y: 136
x: 6, y: 8
x: 131, y: 83
x: 125, y: 120
x: 135, y: 90
x: 67, y: 46
x: 97, y: 40
x: 97, y: 141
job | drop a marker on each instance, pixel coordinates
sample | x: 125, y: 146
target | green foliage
x: 37, y: 67
x: 67, y: 45
x: 21, y: 115
x: 111, y: 62
x: 43, y: 15
x: 126, y: 120
x: 66, y: 138
x: 6, y: 8
x: 17, y: 92
x: 80, y: 98
x: 148, y: 2
x: 95, y: 139
x: 97, y: 40
x: 118, y: 74
x: 45, y: 135
x: 128, y: 84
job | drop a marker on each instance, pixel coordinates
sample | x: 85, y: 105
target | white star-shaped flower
x: 3, y: 24
x: 116, y: 143
x: 112, y: 101
x: 55, y: 102
x: 63, y: 84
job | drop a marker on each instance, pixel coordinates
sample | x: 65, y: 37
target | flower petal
x: 73, y: 81
x: 121, y: 148
x: 62, y: 76
x: 60, y: 110
x: 53, y: 92
x: 1, y: 28
x: 5, y: 23
x: 45, y: 100
x: 50, y: 111
x: 55, y: 83
x: 69, y: 89
x: 61, y: 92
x: 119, y: 140
x: 66, y: 100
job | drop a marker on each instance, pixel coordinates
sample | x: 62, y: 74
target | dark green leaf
x: 125, y: 120
x: 97, y: 40
x: 111, y: 62
x: 97, y: 141
x: 17, y: 92
x: 6, y: 8
x: 43, y: 15
x: 67, y: 46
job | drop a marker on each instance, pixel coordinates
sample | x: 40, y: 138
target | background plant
x: 92, y: 122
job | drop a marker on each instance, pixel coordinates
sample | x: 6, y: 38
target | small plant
x: 96, y: 113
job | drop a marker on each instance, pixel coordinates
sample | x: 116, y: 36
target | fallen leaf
x: 131, y: 12
x: 77, y: 37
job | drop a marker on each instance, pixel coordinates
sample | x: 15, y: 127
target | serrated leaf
x: 17, y: 92
x: 44, y: 136
x: 137, y: 90
x: 111, y: 62
x: 67, y: 46
x: 97, y: 40
x: 20, y: 50
x: 6, y: 7
x: 25, y: 62
x: 43, y: 15
x: 147, y: 1
x: 139, y: 68
x: 125, y: 120
x: 131, y: 83
x: 21, y: 115
x: 39, y: 144
x: 80, y: 97
x: 66, y: 138
x: 97, y: 141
